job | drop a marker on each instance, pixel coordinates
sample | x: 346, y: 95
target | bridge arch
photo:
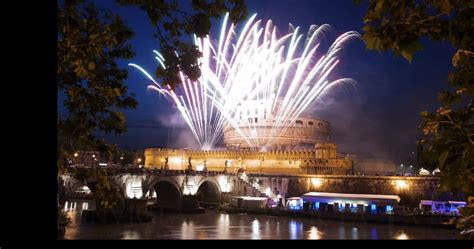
x: 168, y: 193
x: 208, y: 190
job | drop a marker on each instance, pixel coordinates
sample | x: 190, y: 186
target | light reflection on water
x: 314, y: 233
x: 402, y: 236
x: 255, y: 229
x: 214, y: 225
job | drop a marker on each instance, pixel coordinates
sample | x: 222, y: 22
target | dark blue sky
x: 377, y: 119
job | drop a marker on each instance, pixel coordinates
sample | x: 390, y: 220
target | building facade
x: 259, y: 141
x: 320, y: 160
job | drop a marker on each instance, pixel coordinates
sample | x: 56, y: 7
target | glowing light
x: 316, y: 182
x: 199, y: 167
x: 314, y: 233
x: 253, y: 66
x: 255, y: 229
x: 134, y: 188
x: 75, y: 154
x: 401, y: 184
x: 402, y: 236
x: 268, y: 192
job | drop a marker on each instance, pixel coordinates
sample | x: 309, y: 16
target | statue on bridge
x: 205, y: 166
x: 190, y: 166
x: 166, y: 163
x: 226, y: 164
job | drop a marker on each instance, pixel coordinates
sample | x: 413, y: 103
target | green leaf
x: 445, y: 6
x: 91, y: 66
x: 372, y: 41
x: 442, y: 158
x: 407, y: 55
x: 93, y: 37
x: 378, y: 8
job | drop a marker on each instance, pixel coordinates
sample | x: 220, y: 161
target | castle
x: 302, y: 147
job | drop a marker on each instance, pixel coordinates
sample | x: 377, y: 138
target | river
x: 215, y: 225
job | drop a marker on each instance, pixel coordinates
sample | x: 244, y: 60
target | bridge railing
x: 128, y: 170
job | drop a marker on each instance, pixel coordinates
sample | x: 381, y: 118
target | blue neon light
x: 373, y: 207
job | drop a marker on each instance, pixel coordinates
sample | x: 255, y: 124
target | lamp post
x: 401, y: 169
x: 121, y: 160
x: 139, y: 160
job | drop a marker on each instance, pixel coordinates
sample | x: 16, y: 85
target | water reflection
x: 373, y: 233
x: 131, y: 235
x: 402, y: 236
x: 73, y: 205
x: 314, y: 233
x: 342, y: 232
x: 214, y: 225
x: 255, y: 229
x: 355, y: 233
x: 295, y: 229
x: 222, y: 226
x: 187, y: 230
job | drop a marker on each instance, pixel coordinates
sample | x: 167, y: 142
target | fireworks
x: 256, y: 67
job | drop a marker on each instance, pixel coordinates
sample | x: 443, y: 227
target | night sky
x: 379, y: 118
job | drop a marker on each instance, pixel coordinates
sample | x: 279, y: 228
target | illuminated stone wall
x: 410, y: 189
x: 302, y: 132
x: 279, y: 162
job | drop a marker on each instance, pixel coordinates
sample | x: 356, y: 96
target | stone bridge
x: 167, y: 187
x: 171, y: 188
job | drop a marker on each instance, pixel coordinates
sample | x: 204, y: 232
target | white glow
x: 268, y: 192
x: 314, y: 233
x: 402, y: 236
x: 316, y: 182
x: 199, y: 167
x: 253, y: 65
x: 401, y: 184
x: 255, y: 229
x: 134, y: 188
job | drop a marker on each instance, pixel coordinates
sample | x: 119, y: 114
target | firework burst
x: 256, y: 66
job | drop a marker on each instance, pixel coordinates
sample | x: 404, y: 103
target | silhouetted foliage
x: 448, y: 141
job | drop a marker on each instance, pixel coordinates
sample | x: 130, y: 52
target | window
x: 256, y: 120
x: 311, y: 123
x: 299, y: 122
x: 389, y: 209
